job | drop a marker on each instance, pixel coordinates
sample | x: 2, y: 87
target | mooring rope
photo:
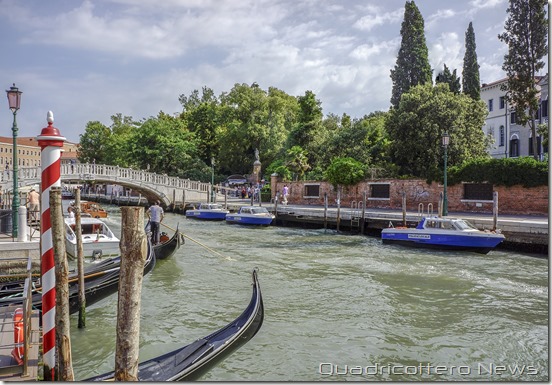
x: 199, y: 243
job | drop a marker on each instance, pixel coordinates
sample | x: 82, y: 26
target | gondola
x: 167, y: 249
x: 192, y: 361
x: 97, y: 286
x: 90, y: 270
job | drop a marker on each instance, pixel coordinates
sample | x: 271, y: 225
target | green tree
x: 416, y: 127
x: 202, y: 117
x: 168, y: 147
x: 412, y: 67
x: 344, y: 172
x: 470, y: 71
x: 117, y: 152
x: 94, y: 143
x: 297, y: 161
x: 526, y: 33
x: 449, y: 78
x: 252, y: 118
x: 363, y: 139
x: 309, y: 133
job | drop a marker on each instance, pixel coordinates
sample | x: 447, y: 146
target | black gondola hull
x: 102, y: 282
x: 192, y: 361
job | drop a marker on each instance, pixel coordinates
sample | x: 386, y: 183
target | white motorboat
x: 97, y: 239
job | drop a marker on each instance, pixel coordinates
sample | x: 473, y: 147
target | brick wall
x: 511, y: 200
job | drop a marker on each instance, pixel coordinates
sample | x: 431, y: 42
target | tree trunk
x: 133, y: 256
x: 63, y: 325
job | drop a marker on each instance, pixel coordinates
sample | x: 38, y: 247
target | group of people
x: 248, y: 192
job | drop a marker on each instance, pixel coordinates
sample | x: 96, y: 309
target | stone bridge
x: 168, y: 190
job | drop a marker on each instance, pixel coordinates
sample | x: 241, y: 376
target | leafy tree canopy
x: 417, y: 125
x: 344, y: 172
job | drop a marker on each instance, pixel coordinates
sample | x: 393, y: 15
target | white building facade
x: 511, y: 140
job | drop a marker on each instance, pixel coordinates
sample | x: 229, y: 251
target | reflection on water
x: 338, y: 307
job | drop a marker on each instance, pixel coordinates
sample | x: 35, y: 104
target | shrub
x: 344, y: 172
x: 525, y: 171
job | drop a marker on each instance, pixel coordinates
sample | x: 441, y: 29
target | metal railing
x: 9, y: 304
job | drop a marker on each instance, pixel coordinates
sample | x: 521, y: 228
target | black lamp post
x: 445, y: 140
x: 14, y: 100
x: 212, y: 179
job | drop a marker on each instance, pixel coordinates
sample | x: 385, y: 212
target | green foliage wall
x: 524, y: 171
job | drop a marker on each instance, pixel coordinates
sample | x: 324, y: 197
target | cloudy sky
x: 87, y: 60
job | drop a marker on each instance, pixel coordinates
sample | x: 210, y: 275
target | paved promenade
x: 506, y: 222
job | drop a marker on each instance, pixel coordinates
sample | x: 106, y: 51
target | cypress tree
x: 412, y: 67
x: 526, y: 35
x: 470, y: 72
x: 450, y: 78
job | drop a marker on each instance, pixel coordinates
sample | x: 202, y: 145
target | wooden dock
x: 523, y: 233
x: 9, y: 370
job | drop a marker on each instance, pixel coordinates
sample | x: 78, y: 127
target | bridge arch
x: 168, y: 190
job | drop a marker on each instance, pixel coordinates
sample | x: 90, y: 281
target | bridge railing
x: 89, y: 171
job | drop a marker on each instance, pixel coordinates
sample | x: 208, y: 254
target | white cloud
x: 89, y: 60
x: 447, y: 49
x: 374, y: 19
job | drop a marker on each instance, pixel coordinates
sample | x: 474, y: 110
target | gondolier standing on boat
x: 155, y: 214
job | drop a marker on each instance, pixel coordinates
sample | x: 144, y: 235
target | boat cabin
x: 89, y: 227
x: 445, y: 223
x: 253, y: 210
x: 211, y: 206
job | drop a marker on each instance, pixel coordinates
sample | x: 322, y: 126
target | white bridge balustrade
x: 167, y: 189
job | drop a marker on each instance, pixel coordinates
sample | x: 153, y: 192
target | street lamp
x: 445, y: 140
x: 212, y: 179
x: 14, y: 100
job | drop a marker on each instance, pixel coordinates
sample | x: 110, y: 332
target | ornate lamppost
x: 14, y: 100
x: 445, y: 140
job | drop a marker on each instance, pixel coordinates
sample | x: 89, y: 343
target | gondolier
x: 156, y: 215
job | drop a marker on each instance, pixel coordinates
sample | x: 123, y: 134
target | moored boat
x: 251, y: 215
x: 191, y: 361
x: 168, y: 247
x: 208, y: 211
x: 97, y: 238
x: 92, y: 208
x: 100, y: 281
x: 445, y: 233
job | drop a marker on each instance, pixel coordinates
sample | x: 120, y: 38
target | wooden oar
x: 199, y: 243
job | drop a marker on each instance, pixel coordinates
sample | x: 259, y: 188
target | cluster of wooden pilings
x: 133, y: 257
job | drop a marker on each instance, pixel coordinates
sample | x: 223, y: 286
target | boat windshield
x: 465, y: 225
x: 259, y: 210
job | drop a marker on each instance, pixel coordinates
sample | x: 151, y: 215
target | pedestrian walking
x: 285, y: 192
x: 155, y: 214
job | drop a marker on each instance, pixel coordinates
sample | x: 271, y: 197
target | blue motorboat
x: 251, y: 215
x: 444, y: 233
x: 208, y: 211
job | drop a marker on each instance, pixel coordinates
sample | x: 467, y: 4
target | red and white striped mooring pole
x: 51, y: 143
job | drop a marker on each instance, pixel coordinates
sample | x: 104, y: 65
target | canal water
x: 338, y: 307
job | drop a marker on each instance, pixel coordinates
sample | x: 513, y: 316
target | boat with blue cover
x: 208, y: 211
x: 445, y: 233
x: 251, y: 215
